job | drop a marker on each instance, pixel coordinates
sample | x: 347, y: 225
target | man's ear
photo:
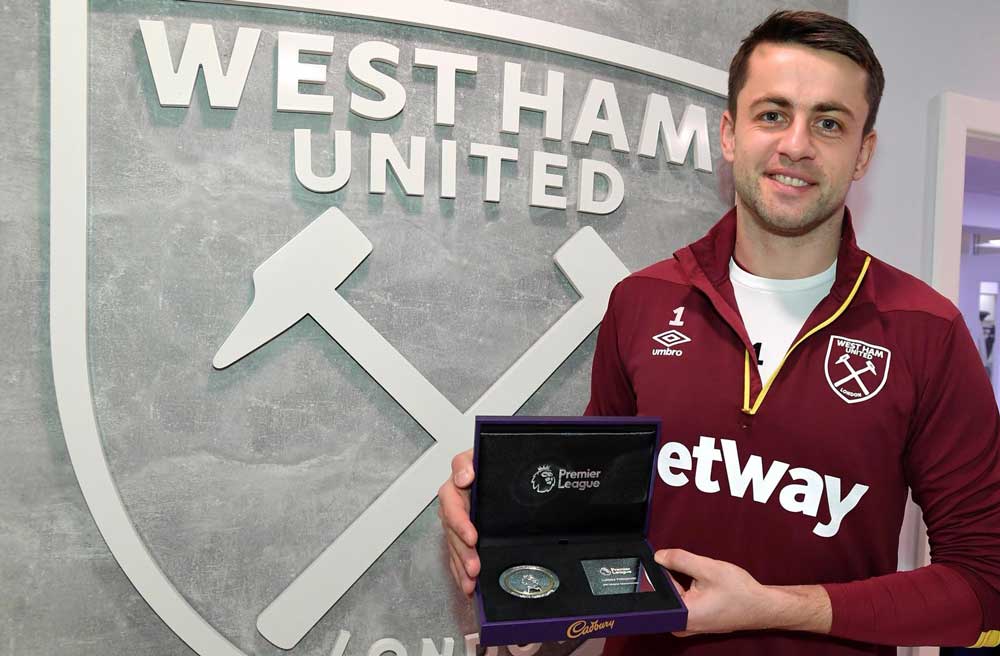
x: 727, y: 135
x: 865, y: 155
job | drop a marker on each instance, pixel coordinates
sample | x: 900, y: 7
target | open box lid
x: 562, y: 477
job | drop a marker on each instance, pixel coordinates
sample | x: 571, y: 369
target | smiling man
x: 815, y: 387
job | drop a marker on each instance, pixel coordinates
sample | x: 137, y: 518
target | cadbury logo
x: 581, y: 628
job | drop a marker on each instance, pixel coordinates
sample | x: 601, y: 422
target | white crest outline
x: 68, y: 246
x: 826, y: 369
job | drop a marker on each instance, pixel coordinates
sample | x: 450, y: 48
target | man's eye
x: 829, y: 124
x: 770, y: 117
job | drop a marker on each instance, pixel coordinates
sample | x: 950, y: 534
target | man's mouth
x: 788, y: 180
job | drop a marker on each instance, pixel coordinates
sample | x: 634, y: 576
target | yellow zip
x: 746, y: 361
x: 746, y: 382
x: 988, y: 639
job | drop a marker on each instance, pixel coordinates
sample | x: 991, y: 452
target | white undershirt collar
x: 774, y: 311
x: 822, y: 279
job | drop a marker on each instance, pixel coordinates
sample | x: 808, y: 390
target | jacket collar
x: 706, y: 263
x: 707, y: 260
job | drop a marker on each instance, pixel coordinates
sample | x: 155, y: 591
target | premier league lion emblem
x: 543, y: 480
x: 856, y: 370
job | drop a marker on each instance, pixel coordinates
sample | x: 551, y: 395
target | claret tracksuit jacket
x: 802, y: 479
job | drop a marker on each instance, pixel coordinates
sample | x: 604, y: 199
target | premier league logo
x: 856, y: 370
x: 543, y: 480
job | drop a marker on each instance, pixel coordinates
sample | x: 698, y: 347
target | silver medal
x: 529, y: 581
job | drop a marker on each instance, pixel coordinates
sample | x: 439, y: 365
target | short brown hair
x: 814, y: 30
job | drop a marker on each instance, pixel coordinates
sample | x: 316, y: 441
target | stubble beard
x: 783, y: 222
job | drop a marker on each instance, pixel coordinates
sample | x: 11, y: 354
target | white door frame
x: 954, y: 118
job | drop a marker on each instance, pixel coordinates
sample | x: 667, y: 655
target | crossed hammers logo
x: 870, y: 379
x: 855, y: 374
x: 301, y: 279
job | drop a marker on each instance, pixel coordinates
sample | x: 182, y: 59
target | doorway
x: 979, y: 265
x: 964, y: 202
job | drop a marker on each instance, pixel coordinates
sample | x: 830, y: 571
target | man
x: 816, y: 386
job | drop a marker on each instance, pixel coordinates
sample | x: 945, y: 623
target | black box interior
x: 557, y: 519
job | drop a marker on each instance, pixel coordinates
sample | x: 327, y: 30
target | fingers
x: 685, y: 562
x: 462, y: 473
x: 464, y: 583
x: 466, y: 557
x: 677, y: 586
x: 460, y: 534
x: 454, y: 572
x: 460, y: 561
x: 453, y: 509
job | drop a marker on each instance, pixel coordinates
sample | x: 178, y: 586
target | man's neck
x: 769, y: 255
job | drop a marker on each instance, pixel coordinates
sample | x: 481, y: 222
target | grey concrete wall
x: 237, y: 479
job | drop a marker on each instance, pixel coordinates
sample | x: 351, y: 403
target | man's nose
x: 797, y: 141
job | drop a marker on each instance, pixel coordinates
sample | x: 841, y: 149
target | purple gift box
x: 569, y: 495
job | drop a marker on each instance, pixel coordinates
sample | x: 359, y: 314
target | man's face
x: 796, y: 142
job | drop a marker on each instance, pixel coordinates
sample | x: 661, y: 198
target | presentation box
x: 562, y: 508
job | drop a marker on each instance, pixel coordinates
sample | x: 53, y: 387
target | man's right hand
x: 460, y: 534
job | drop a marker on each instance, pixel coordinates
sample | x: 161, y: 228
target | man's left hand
x: 724, y: 598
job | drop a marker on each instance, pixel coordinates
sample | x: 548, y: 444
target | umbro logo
x: 670, y: 339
